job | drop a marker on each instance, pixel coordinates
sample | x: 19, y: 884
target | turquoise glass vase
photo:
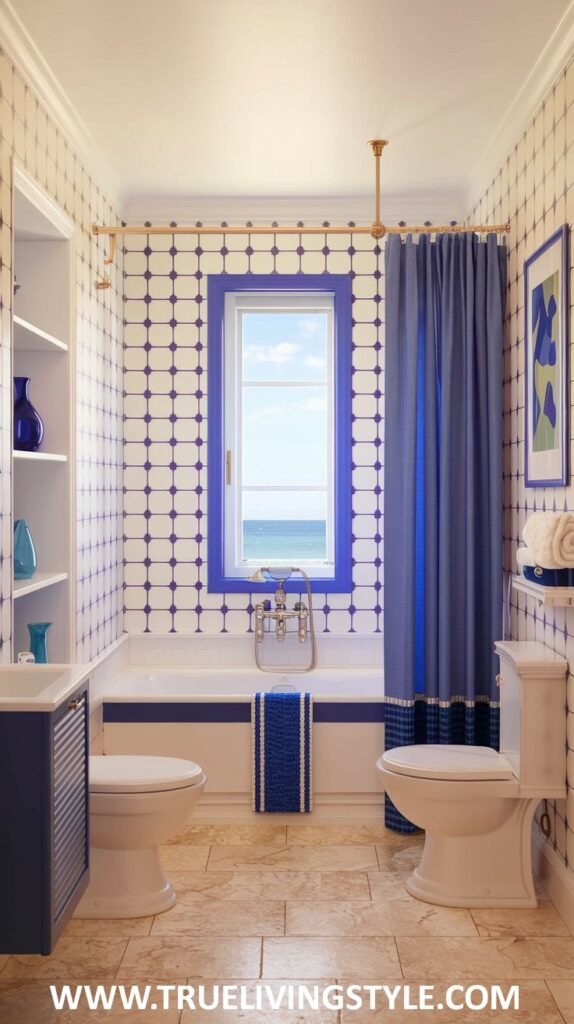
x: 25, y: 561
x: 39, y: 641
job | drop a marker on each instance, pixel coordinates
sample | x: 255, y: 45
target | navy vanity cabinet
x: 44, y: 842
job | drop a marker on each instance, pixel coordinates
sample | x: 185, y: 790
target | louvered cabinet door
x: 70, y: 840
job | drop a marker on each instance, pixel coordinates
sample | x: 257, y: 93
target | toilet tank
x: 532, y: 687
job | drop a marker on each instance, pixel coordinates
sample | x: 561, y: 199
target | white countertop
x: 38, y: 687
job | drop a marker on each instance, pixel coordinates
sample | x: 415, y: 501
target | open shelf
x: 43, y: 331
x: 553, y: 597
x: 38, y: 582
x: 40, y: 456
x: 29, y: 338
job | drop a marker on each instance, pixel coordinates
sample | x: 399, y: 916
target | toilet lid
x: 128, y: 773
x: 436, y: 761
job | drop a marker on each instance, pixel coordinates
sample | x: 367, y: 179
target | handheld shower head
x: 274, y: 575
x: 257, y: 577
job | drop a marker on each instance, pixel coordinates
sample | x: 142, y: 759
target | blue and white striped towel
x: 282, y: 752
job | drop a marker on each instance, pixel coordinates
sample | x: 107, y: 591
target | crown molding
x: 437, y: 207
x: 40, y: 199
x: 18, y: 44
x: 552, y: 60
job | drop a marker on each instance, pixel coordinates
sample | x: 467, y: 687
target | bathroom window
x: 279, y: 428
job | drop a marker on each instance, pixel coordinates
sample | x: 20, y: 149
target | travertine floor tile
x: 122, y: 928
x: 325, y: 958
x: 563, y: 993
x: 503, y: 958
x: 400, y: 860
x: 220, y: 917
x: 543, y: 921
x: 270, y: 885
x: 400, y: 916
x: 231, y: 835
x: 179, y: 955
x: 266, y: 1015
x: 336, y: 835
x: 3, y: 961
x: 30, y: 1002
x: 72, y: 958
x: 536, y: 1006
x: 386, y: 885
x: 292, y: 858
x: 184, y: 858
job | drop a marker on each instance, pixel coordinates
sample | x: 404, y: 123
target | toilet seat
x: 448, y: 762
x: 118, y: 773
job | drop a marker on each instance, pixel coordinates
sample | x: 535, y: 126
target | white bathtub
x: 199, y: 708
x: 219, y: 683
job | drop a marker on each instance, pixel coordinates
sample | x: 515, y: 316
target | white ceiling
x: 278, y: 97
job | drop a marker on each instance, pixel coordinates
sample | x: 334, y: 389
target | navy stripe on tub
x: 282, y: 752
x: 163, y: 711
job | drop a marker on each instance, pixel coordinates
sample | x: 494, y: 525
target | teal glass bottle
x: 25, y: 561
x: 39, y: 641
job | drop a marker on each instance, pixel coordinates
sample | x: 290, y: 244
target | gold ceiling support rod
x: 377, y: 146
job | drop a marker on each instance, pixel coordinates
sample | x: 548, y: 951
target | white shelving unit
x: 42, y: 349
x: 553, y: 597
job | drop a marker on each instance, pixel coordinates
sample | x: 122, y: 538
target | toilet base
x: 493, y: 869
x: 124, y: 884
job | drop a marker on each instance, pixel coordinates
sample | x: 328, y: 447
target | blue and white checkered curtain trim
x: 282, y: 733
x: 430, y: 721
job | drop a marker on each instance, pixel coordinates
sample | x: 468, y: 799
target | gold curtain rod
x: 377, y: 229
x: 347, y: 229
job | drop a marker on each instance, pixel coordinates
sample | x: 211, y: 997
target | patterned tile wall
x: 534, y: 189
x: 166, y: 431
x: 29, y: 133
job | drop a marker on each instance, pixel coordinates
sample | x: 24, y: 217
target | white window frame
x: 236, y: 304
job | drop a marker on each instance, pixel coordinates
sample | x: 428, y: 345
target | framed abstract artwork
x: 547, y: 335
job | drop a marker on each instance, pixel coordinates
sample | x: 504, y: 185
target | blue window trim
x: 339, y: 285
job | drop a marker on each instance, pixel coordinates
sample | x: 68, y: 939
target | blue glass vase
x: 25, y: 561
x: 28, y: 427
x: 39, y: 641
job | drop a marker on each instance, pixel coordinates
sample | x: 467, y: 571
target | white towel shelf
x: 553, y: 597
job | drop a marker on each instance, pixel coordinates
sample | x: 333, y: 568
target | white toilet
x: 476, y: 805
x: 136, y: 803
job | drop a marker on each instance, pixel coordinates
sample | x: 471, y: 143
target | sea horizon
x: 291, y: 539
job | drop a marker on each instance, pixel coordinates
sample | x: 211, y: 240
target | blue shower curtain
x: 443, y: 490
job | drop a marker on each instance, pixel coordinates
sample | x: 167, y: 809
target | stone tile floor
x: 316, y: 904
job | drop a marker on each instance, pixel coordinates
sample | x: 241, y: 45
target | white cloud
x: 310, y: 325
x: 277, y: 354
x: 314, y: 362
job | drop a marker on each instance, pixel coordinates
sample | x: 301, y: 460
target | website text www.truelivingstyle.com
x: 275, y: 997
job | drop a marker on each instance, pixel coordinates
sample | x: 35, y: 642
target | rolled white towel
x: 550, y: 538
x: 524, y: 557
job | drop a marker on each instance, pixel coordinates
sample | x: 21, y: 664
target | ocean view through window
x: 280, y: 464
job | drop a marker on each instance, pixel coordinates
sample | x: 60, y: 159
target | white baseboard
x: 556, y: 878
x: 332, y: 809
